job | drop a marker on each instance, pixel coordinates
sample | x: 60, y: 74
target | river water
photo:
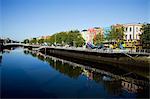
x: 26, y: 74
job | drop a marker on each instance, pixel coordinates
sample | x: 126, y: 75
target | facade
x: 83, y: 33
x: 130, y: 87
x: 89, y: 34
x: 99, y: 30
x: 45, y: 37
x: 42, y: 37
x: 132, y: 34
x: 132, y: 31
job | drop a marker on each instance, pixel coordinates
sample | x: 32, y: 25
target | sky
x: 21, y: 19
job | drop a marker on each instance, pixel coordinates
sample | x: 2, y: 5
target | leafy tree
x: 75, y: 38
x: 49, y: 40
x: 61, y: 38
x: 26, y: 41
x: 79, y: 41
x: 72, y: 38
x: 116, y: 33
x: 33, y: 41
x: 40, y: 41
x: 98, y: 39
x: 145, y: 37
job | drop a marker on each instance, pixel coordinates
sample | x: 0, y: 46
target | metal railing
x: 144, y: 51
x: 106, y: 50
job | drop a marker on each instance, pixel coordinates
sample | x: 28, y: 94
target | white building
x: 132, y: 31
x: 132, y: 34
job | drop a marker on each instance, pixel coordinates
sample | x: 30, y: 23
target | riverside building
x: 90, y: 33
x: 132, y: 34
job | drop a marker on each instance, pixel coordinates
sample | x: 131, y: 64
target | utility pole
x: 74, y: 44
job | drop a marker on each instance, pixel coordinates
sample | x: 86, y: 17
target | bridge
x: 15, y: 44
x: 20, y: 44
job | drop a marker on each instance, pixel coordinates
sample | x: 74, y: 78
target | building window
x: 130, y: 37
x: 117, y: 30
x: 126, y: 29
x: 126, y: 37
x: 130, y: 29
x: 140, y: 29
x: 136, y: 29
x: 136, y: 36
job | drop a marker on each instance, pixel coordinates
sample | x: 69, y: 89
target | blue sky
x: 20, y: 19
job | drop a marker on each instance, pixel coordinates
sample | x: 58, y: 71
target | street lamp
x: 55, y: 39
x: 74, y: 44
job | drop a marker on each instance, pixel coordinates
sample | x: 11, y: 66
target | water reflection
x: 116, y: 85
x: 0, y: 59
x: 1, y: 51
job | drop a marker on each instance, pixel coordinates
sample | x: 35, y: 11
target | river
x: 26, y: 74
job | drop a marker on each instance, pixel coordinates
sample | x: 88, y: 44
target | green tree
x: 26, y: 41
x: 72, y: 38
x: 145, y: 37
x: 33, y: 41
x: 98, y: 39
x: 48, y: 40
x: 61, y: 38
x: 75, y: 38
x: 40, y: 41
x: 116, y: 34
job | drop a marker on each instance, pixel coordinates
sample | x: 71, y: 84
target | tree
x: 26, y: 41
x: 75, y: 38
x: 79, y: 41
x: 33, y: 41
x: 145, y: 37
x: 72, y: 38
x: 61, y: 38
x: 116, y: 33
x: 40, y: 41
x: 47, y: 40
x: 98, y: 39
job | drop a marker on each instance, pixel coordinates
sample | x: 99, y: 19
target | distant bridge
x: 15, y: 44
x: 21, y: 44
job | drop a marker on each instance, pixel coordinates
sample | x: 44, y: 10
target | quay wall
x: 107, y: 58
x: 139, y: 65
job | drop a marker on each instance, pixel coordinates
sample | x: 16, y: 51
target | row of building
x: 131, y: 37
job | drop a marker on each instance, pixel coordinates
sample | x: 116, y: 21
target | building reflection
x: 88, y: 74
x: 0, y: 58
x: 114, y: 84
x: 130, y: 87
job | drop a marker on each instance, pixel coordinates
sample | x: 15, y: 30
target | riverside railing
x: 111, y: 51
